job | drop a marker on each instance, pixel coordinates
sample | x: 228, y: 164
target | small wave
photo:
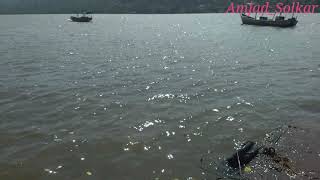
x: 147, y: 124
x: 183, y: 98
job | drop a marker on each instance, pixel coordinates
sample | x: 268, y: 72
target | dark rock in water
x: 243, y: 156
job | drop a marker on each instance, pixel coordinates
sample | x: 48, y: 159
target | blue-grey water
x: 144, y: 96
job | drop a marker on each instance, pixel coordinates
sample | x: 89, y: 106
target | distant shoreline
x: 135, y: 13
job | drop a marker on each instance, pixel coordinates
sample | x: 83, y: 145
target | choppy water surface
x: 144, y: 96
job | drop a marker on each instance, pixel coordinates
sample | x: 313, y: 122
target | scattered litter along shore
x: 294, y: 153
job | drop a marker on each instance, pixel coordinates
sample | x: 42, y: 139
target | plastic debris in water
x: 182, y: 126
x: 146, y: 148
x: 170, y: 156
x: 50, y: 171
x: 89, y: 173
x: 247, y: 169
x: 56, y: 139
x: 230, y: 118
x: 188, y: 138
x: 147, y: 124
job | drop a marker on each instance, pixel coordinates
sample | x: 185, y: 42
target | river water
x: 144, y: 96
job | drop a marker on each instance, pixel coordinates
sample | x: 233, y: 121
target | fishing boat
x: 85, y: 17
x: 278, y: 21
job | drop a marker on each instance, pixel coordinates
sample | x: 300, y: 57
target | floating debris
x: 50, y: 171
x: 161, y: 96
x: 56, y: 139
x: 244, y: 101
x: 146, y: 148
x: 126, y: 148
x: 230, y: 118
x: 181, y: 97
x: 197, y: 134
x: 170, y: 156
x: 169, y: 134
x: 89, y: 173
x: 182, y: 126
x: 188, y: 137
x: 147, y: 124
x: 247, y: 169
